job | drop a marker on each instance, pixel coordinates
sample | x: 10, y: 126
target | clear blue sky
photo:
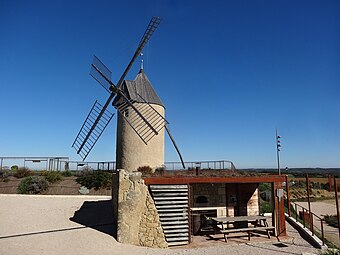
x: 228, y: 72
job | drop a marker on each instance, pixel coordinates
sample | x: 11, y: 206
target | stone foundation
x: 135, y: 214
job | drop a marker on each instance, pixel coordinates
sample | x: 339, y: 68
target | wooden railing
x: 307, y: 218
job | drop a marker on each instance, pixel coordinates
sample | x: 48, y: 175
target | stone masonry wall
x: 136, y: 216
x: 150, y: 229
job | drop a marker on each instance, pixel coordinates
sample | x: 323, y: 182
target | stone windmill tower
x: 131, y: 151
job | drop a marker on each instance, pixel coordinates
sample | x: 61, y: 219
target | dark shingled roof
x: 142, y: 86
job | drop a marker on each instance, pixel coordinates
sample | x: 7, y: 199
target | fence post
x: 322, y: 233
x: 303, y: 217
x: 337, y: 203
x: 296, y: 213
x: 288, y: 196
x: 308, y: 197
x: 311, y: 223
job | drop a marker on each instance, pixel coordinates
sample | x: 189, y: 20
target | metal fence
x: 35, y: 163
x: 210, y: 165
x: 63, y: 163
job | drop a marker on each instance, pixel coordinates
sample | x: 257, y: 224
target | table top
x: 250, y: 218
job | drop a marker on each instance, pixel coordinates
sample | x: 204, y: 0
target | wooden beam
x: 203, y: 179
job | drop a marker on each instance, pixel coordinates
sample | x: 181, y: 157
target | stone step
x: 167, y: 202
x: 170, y: 239
x: 183, y: 230
x: 166, y: 219
x: 170, y: 198
x: 170, y: 194
x: 184, y: 214
x: 176, y: 235
x: 172, y: 206
x: 178, y: 243
x: 169, y: 210
x: 169, y: 190
x: 179, y: 223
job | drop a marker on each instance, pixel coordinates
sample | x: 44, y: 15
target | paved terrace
x: 82, y: 225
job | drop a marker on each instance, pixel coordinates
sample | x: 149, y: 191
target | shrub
x: 265, y: 208
x: 67, y: 173
x: 145, y: 170
x: 32, y: 185
x: 331, y: 220
x: 265, y: 186
x: 4, y: 173
x: 53, y: 177
x: 330, y: 252
x: 14, y: 168
x: 22, y: 172
x: 95, y: 179
x: 43, y: 173
x: 160, y: 171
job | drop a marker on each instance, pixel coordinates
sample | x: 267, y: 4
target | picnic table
x: 227, y: 225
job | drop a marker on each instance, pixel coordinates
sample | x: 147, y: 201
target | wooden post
x: 330, y: 183
x: 337, y: 203
x: 288, y: 196
x: 308, y: 197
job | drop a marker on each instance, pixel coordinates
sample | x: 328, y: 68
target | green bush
x: 22, y: 172
x: 14, y: 168
x: 265, y: 186
x: 67, y: 173
x: 53, y: 177
x: 95, y: 179
x: 265, y: 208
x: 32, y: 185
x: 331, y: 220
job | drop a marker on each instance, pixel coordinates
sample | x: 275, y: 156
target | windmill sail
x: 101, y: 73
x: 85, y: 140
x: 133, y: 116
x: 87, y: 137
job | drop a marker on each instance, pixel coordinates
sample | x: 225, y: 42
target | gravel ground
x: 82, y: 225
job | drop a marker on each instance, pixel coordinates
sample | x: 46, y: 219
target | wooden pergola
x: 277, y: 183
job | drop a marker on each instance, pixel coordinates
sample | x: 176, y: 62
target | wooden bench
x: 225, y: 232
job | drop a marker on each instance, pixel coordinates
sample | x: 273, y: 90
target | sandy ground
x: 83, y: 225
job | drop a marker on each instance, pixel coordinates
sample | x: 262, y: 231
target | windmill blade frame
x: 145, y: 114
x: 101, y: 73
x: 151, y: 28
x: 175, y: 145
x: 84, y: 150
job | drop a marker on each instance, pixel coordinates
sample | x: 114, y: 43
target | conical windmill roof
x: 139, y: 86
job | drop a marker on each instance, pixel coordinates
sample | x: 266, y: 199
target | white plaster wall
x: 131, y: 151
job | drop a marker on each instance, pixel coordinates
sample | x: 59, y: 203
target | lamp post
x: 278, y: 145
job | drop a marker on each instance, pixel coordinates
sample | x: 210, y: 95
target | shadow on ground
x: 97, y: 215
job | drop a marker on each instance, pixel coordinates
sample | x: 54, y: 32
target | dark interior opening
x: 201, y: 200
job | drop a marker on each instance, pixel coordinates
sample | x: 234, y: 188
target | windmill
x: 143, y: 117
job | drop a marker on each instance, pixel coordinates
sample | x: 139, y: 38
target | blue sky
x: 228, y: 72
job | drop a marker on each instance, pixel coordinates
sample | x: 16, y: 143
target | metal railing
x: 213, y: 165
x: 300, y: 214
x: 63, y: 163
